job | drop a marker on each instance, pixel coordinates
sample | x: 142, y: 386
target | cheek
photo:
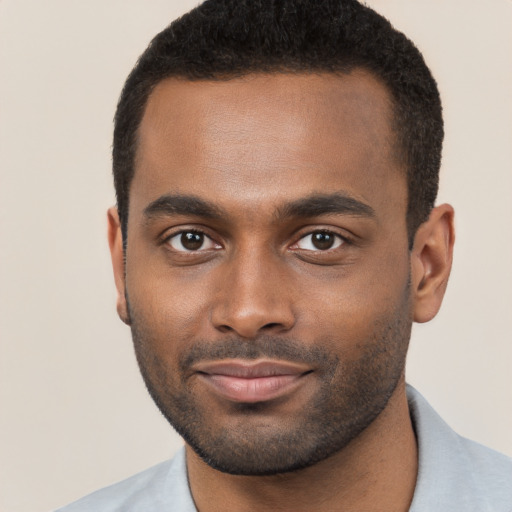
x: 171, y: 304
x: 350, y: 305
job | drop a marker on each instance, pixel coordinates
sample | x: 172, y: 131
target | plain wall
x: 74, y: 412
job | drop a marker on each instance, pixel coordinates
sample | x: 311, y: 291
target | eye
x: 191, y: 241
x: 320, y: 241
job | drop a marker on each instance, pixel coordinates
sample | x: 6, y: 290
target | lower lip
x: 252, y: 390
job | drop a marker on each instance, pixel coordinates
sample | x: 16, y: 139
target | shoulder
x: 154, y: 489
x: 455, y: 473
x: 491, y: 472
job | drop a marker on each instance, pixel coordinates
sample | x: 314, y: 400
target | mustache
x: 263, y: 347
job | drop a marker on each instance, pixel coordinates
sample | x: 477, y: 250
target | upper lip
x: 251, y: 369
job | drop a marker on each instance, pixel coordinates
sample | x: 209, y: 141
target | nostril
x: 225, y: 328
x: 247, y: 320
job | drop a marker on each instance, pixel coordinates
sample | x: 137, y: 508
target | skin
x: 258, y: 288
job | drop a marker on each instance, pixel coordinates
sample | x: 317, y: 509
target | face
x: 267, y: 266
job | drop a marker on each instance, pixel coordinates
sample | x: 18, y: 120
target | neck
x: 374, y: 472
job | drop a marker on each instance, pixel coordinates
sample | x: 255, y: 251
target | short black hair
x: 225, y: 39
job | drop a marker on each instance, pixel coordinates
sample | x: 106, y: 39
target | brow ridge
x: 311, y: 206
x: 180, y: 204
x: 321, y: 204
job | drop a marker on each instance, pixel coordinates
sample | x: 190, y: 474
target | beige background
x: 74, y: 412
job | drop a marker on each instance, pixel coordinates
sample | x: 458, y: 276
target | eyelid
x: 169, y: 235
x: 344, y: 238
x: 338, y: 241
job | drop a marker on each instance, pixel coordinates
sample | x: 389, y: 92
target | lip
x: 251, y: 381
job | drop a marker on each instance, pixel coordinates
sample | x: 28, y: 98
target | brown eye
x: 192, y: 241
x: 189, y: 241
x: 320, y: 241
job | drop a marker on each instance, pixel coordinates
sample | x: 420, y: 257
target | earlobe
x: 431, y: 262
x: 115, y: 241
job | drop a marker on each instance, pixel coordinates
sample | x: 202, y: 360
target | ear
x: 115, y: 242
x: 431, y: 262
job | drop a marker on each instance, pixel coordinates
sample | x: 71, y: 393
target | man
x: 276, y: 167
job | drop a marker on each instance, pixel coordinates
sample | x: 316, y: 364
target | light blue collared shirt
x: 454, y: 475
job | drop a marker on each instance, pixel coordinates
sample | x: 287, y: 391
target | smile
x: 251, y: 382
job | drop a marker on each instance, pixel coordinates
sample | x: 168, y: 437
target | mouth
x: 251, y: 381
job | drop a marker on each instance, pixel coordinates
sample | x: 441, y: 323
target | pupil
x: 192, y: 241
x: 323, y: 240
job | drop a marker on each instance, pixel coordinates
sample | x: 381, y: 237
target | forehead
x: 284, y: 134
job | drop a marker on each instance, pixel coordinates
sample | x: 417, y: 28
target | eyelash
x: 168, y: 240
x: 339, y: 240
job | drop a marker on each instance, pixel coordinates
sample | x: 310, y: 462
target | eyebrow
x: 178, y: 204
x: 311, y: 206
x: 322, y: 204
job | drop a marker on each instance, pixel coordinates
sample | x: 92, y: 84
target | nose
x: 255, y: 297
